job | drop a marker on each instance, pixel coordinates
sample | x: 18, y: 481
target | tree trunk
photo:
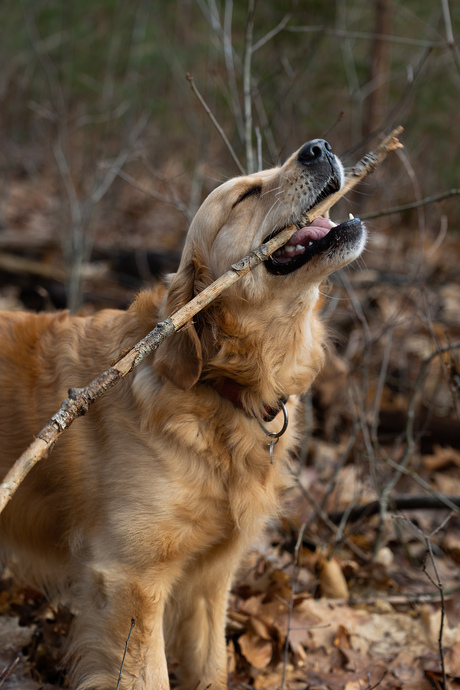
x: 375, y: 104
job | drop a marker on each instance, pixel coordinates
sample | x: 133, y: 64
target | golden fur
x: 145, y: 507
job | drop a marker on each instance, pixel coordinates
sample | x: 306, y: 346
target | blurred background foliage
x: 98, y: 65
x: 94, y: 100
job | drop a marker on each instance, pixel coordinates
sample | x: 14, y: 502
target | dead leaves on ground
x: 338, y: 643
x: 33, y: 637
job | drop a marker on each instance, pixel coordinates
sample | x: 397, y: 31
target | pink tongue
x: 318, y: 229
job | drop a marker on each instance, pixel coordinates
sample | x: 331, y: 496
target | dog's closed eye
x: 250, y: 191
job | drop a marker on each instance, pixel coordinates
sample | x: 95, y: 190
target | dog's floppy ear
x: 180, y: 357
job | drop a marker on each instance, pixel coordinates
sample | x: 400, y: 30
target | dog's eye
x: 247, y: 193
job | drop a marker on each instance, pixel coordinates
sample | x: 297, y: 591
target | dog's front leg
x: 101, y: 631
x: 196, y: 624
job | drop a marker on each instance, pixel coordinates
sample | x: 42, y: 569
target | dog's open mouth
x: 304, y: 239
x: 320, y: 237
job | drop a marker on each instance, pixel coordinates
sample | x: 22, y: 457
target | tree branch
x: 414, y: 204
x: 247, y: 90
x: 215, y: 123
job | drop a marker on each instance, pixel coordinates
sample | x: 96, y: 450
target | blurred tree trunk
x: 375, y: 104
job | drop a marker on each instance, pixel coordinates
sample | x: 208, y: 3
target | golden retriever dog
x: 145, y: 507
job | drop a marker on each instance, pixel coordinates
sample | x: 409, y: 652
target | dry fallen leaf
x: 332, y: 580
x: 441, y: 457
x: 256, y: 650
x: 407, y: 667
x: 451, y: 545
x: 452, y: 660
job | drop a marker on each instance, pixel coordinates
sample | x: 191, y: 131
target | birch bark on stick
x: 80, y: 399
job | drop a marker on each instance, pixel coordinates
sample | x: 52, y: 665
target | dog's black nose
x: 314, y: 151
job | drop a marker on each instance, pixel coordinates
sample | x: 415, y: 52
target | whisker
x: 273, y: 206
x: 269, y: 191
x: 337, y: 299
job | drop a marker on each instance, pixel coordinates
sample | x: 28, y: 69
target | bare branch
x: 271, y: 34
x: 133, y: 623
x: 401, y: 467
x: 442, y: 498
x: 437, y: 583
x: 154, y: 195
x: 337, y: 531
x: 291, y: 602
x: 342, y: 33
x: 8, y: 670
x: 215, y: 123
x: 247, y: 90
x: 414, y: 204
x: 230, y: 65
x: 402, y: 502
x: 106, y: 183
x: 450, y: 33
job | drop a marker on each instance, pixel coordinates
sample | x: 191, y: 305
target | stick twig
x: 215, y: 123
x: 247, y: 89
x: 80, y: 399
x: 8, y: 670
x: 414, y: 204
x: 133, y: 623
x: 295, y: 573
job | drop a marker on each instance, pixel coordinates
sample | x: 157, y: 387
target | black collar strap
x: 231, y: 390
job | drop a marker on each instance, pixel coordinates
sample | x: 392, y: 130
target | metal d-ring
x: 277, y: 434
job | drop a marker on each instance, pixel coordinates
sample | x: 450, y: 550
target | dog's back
x: 42, y: 356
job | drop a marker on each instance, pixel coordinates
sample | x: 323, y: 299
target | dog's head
x: 237, y: 217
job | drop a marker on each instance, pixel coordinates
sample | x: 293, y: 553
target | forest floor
x: 352, y: 601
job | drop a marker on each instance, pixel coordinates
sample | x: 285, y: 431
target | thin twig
x: 381, y: 383
x: 367, y: 36
x: 133, y: 623
x: 337, y: 531
x: 271, y: 34
x: 450, y: 33
x: 291, y: 603
x: 215, y: 123
x: 247, y: 90
x: 230, y: 65
x: 119, y: 161
x: 438, y: 584
x: 376, y: 685
x: 402, y: 469
x: 402, y: 502
x: 259, y: 149
x: 453, y: 390
x: 414, y: 204
x: 401, y: 466
x: 333, y: 481
x: 411, y: 421
x: 8, y: 670
x: 80, y: 399
x: 154, y: 195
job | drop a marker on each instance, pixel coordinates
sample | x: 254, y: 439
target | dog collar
x: 231, y: 390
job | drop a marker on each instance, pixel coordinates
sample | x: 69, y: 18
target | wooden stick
x: 80, y: 399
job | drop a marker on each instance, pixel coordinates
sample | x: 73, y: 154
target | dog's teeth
x: 289, y: 248
x: 310, y: 243
x: 350, y: 216
x: 299, y: 247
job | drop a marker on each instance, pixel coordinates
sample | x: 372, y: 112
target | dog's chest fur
x: 218, y: 480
